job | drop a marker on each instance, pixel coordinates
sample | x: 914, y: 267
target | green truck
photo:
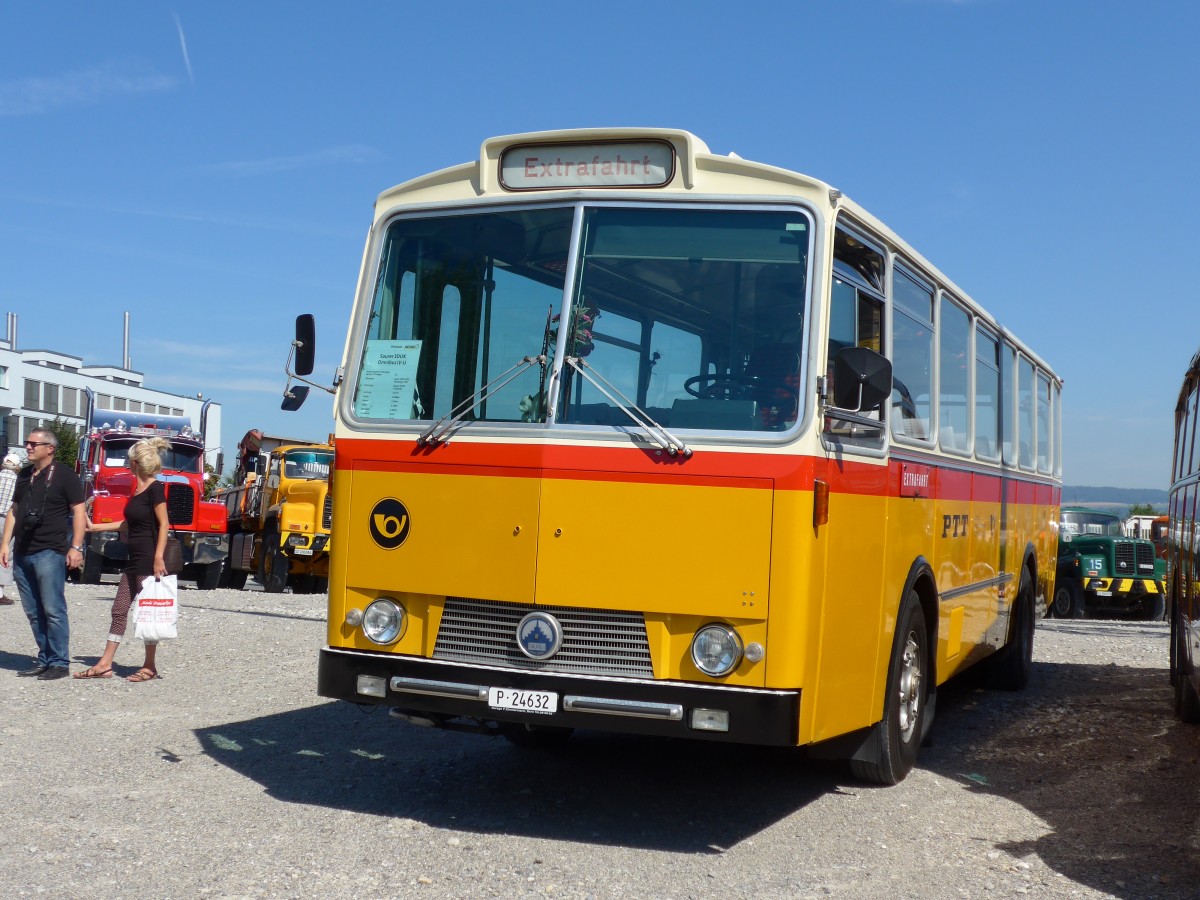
x: 1102, y: 570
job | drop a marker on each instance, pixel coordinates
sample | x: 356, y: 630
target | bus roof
x: 692, y: 170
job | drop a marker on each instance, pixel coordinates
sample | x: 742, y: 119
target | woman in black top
x: 147, y: 531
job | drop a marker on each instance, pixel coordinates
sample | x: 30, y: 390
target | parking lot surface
x: 229, y: 777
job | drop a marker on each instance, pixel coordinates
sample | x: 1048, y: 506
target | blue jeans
x: 41, y: 578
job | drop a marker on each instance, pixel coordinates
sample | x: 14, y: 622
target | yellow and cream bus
x: 636, y: 437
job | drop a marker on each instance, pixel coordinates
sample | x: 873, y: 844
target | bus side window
x: 987, y: 396
x: 954, y: 353
x: 912, y: 357
x: 855, y: 320
x: 1026, y: 431
x: 1008, y: 401
x: 1044, y: 432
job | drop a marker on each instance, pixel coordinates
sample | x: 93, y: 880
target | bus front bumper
x: 440, y: 692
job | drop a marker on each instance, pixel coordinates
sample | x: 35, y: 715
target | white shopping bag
x: 157, y: 609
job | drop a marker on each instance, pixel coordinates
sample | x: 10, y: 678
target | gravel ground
x: 228, y: 777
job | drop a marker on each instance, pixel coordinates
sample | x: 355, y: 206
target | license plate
x: 304, y: 551
x: 544, y: 702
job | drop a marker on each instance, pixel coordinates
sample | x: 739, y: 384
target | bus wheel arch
x: 890, y: 753
x: 1012, y: 664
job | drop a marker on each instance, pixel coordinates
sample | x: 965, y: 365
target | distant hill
x: 1115, y: 499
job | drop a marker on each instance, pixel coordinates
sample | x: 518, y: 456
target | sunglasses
x: 37, y: 444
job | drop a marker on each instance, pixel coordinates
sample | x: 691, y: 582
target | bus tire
x: 1187, y: 703
x: 1068, y: 600
x: 535, y: 737
x: 899, y: 734
x: 1013, y: 663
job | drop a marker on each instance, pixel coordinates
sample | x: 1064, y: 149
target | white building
x: 39, y: 386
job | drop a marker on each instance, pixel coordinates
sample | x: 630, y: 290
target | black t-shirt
x: 142, y: 528
x: 51, y: 492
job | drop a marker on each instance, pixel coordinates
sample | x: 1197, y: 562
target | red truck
x: 102, y: 467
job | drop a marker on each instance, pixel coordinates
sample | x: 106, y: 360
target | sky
x: 210, y: 168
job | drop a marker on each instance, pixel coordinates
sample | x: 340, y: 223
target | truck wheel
x: 904, y: 708
x: 275, y: 570
x: 209, y: 576
x: 237, y: 580
x: 93, y: 565
x: 1153, y: 607
x: 1068, y: 600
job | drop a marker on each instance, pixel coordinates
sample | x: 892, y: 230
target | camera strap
x: 45, y: 488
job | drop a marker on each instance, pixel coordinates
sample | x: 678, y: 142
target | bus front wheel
x: 899, y: 735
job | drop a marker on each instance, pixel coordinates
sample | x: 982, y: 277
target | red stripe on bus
x: 714, y: 468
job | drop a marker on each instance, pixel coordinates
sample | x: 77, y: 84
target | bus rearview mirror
x: 294, y: 397
x: 306, y: 344
x: 862, y: 379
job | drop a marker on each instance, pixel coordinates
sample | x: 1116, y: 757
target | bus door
x: 847, y: 697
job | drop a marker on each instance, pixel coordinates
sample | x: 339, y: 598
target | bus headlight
x: 383, y: 622
x: 716, y: 650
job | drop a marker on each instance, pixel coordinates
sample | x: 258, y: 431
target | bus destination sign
x: 533, y: 167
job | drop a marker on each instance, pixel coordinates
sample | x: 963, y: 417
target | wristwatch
x: 80, y: 549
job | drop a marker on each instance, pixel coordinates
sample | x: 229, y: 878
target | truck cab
x: 1100, y: 569
x: 279, y: 514
x: 102, y: 466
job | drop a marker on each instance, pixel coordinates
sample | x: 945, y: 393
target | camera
x: 32, y: 519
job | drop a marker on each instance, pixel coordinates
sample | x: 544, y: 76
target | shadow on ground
x: 600, y: 788
x: 1096, y: 753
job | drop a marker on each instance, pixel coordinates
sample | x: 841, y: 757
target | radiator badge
x: 539, y: 635
x: 389, y: 523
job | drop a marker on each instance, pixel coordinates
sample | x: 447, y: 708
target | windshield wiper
x: 667, y: 441
x: 440, y: 430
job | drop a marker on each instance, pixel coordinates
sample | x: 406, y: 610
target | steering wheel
x: 738, y: 387
x: 724, y: 387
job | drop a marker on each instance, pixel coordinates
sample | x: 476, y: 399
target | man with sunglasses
x: 47, y: 517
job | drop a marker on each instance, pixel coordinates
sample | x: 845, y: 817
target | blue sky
x: 211, y: 167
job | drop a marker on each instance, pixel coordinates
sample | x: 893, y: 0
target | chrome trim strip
x: 670, y: 712
x: 998, y: 581
x: 438, y: 688
x: 599, y: 679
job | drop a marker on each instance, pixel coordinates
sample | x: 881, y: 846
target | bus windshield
x: 695, y: 315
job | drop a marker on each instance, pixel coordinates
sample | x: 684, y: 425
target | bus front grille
x: 595, y: 641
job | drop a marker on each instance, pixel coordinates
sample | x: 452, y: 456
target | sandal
x: 143, y: 674
x: 91, y: 672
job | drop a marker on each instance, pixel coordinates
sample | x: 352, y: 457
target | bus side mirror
x: 862, y: 379
x: 294, y: 397
x: 306, y: 345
